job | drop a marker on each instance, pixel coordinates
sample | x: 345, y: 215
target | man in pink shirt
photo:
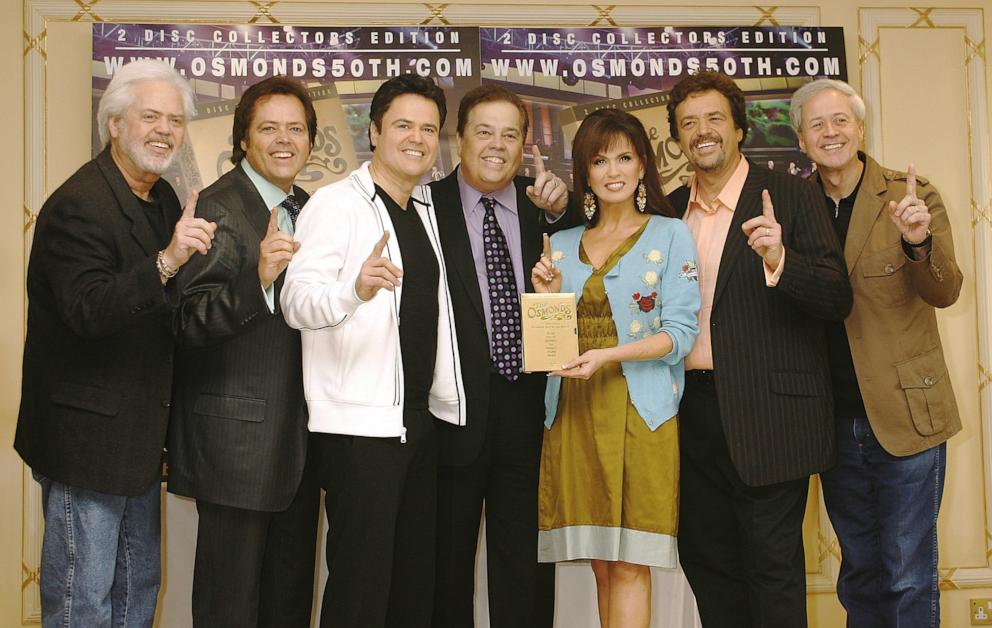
x: 756, y: 417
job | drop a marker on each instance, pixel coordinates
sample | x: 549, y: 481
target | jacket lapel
x: 454, y: 238
x: 736, y: 247
x: 867, y: 206
x: 141, y: 229
x: 252, y: 204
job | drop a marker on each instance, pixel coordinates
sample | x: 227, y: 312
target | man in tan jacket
x: 892, y: 394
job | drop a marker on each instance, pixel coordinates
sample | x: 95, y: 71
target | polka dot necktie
x: 292, y: 207
x: 504, y: 302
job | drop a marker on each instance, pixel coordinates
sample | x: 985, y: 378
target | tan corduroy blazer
x: 892, y: 328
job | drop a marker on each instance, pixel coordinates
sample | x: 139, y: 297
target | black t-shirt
x: 418, y: 301
x: 848, y: 401
x: 156, y: 218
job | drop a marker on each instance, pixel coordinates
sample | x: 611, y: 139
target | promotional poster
x: 561, y: 74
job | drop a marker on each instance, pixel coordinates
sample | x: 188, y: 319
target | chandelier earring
x: 642, y: 196
x: 589, y: 204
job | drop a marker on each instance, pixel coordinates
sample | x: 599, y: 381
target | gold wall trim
x: 923, y: 21
x: 29, y: 218
x: 604, y: 15
x: 263, y: 12
x: 436, y: 13
x: 767, y: 16
x: 970, y: 23
x: 36, y: 43
x: 867, y: 50
x: 86, y: 13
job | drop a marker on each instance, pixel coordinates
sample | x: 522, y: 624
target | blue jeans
x: 100, y: 557
x: 884, y: 510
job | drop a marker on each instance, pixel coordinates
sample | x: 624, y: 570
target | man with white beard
x: 97, y: 375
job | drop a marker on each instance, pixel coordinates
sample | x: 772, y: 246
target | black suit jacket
x: 239, y: 425
x: 462, y: 445
x: 769, y: 344
x: 98, y: 355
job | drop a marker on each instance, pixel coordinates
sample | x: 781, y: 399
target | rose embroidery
x: 635, y: 328
x: 653, y: 256
x: 656, y: 323
x: 646, y: 302
x: 557, y: 256
x: 650, y: 278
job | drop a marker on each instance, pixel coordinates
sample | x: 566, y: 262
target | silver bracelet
x: 168, y: 272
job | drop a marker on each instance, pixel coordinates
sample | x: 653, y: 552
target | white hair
x: 119, y: 95
x: 811, y: 89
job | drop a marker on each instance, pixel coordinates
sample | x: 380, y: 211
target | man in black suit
x: 756, y: 417
x: 494, y: 459
x: 238, y: 439
x: 98, y: 355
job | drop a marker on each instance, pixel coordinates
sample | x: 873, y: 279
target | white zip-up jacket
x: 352, y: 368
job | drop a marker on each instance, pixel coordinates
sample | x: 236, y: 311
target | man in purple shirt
x: 494, y: 458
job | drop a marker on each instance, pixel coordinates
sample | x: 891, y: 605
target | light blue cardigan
x: 653, y: 288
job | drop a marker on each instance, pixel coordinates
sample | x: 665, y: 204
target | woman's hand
x: 545, y: 276
x: 584, y: 366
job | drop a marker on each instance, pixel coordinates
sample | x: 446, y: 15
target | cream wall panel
x: 940, y: 150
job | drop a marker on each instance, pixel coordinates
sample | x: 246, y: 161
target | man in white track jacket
x: 380, y: 362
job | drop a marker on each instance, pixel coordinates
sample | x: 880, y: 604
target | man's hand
x: 377, y: 272
x: 191, y: 235
x: 275, y: 251
x: 764, y: 234
x: 910, y: 215
x: 545, y: 276
x: 549, y: 192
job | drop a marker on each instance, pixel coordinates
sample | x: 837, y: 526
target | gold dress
x: 609, y: 485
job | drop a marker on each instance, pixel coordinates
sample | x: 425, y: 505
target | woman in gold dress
x: 609, y: 465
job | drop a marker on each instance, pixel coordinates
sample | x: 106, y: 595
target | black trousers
x: 381, y: 501
x: 740, y: 546
x: 256, y: 568
x: 504, y: 477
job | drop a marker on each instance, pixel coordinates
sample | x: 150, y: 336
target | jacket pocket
x: 225, y: 407
x: 88, y: 398
x: 886, y: 276
x: 797, y: 383
x: 927, y: 387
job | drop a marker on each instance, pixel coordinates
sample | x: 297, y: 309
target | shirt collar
x: 506, y: 196
x: 271, y: 194
x: 729, y: 196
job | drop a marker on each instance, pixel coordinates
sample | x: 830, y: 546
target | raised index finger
x: 273, y: 222
x: 766, y: 205
x: 380, y: 245
x: 190, y: 210
x: 911, y: 180
x: 547, y: 247
x: 538, y: 160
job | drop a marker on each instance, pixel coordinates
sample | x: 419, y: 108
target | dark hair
x: 398, y: 86
x: 491, y: 93
x: 598, y: 132
x: 702, y: 82
x: 272, y: 86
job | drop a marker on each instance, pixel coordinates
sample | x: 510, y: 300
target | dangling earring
x: 642, y: 196
x: 589, y: 205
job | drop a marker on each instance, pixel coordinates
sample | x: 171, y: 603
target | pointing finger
x: 911, y: 181
x: 538, y: 160
x: 190, y: 210
x: 767, y: 208
x: 547, y: 247
x: 273, y: 222
x: 380, y: 245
